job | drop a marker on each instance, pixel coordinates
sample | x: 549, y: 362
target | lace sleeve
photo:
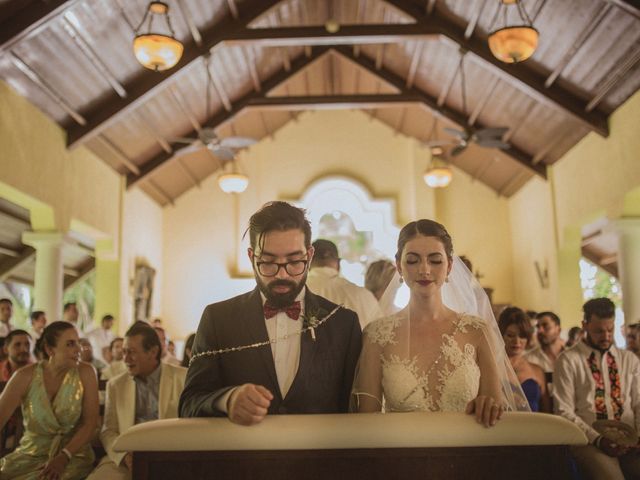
x: 366, y: 395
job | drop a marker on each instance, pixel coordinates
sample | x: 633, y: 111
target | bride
x: 436, y: 354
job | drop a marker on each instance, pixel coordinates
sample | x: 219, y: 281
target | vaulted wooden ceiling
x: 270, y: 59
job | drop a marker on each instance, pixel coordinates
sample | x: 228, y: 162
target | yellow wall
x: 35, y: 162
x: 142, y: 227
x: 592, y: 180
x: 201, y: 232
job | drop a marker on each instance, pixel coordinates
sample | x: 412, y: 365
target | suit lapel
x: 164, y: 391
x: 307, y: 345
x: 127, y: 398
x: 253, y: 318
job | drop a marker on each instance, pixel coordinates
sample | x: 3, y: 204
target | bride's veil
x: 463, y: 294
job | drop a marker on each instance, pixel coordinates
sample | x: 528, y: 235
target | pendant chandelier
x: 513, y: 43
x: 439, y: 174
x: 154, y: 50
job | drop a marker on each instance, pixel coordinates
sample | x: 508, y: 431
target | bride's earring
x: 401, y: 280
x: 447, y: 279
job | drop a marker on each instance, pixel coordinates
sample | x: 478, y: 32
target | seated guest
x: 101, y: 337
x: 574, y: 336
x: 550, y: 343
x: 38, y: 322
x: 631, y: 336
x: 86, y: 355
x: 117, y: 366
x: 18, y: 348
x: 167, y: 356
x: 59, y: 399
x: 594, y: 380
x: 324, y: 279
x: 3, y: 354
x: 378, y: 280
x: 6, y: 311
x: 188, y: 350
x: 517, y: 332
x: 149, y: 390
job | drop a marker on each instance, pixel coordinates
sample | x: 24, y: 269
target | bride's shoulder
x: 465, y: 321
x: 382, y: 330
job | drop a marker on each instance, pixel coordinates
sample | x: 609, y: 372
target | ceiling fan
x: 484, y: 137
x: 223, y: 148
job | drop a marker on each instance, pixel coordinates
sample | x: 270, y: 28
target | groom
x: 308, y: 372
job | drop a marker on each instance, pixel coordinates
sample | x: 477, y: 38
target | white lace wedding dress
x: 403, y: 373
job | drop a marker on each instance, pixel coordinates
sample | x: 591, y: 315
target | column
x: 107, y: 283
x: 628, y: 229
x: 49, y: 279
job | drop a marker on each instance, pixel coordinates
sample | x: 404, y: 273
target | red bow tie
x: 292, y: 311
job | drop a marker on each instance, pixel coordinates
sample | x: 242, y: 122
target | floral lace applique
x: 457, y: 375
x: 382, y: 331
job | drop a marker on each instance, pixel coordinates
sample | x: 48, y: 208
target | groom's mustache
x: 282, y: 283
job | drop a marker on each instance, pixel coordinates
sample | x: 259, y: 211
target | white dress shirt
x: 537, y: 356
x: 100, y: 338
x: 574, y: 387
x: 327, y: 282
x: 286, y: 353
x: 5, y: 329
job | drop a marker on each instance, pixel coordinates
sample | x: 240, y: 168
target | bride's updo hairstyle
x: 426, y: 228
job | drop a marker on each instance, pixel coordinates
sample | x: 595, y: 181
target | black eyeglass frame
x: 284, y: 265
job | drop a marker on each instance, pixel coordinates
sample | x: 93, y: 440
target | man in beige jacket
x: 149, y: 390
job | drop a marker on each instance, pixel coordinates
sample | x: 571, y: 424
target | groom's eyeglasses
x: 271, y: 269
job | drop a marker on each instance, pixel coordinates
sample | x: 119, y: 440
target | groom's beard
x: 280, y: 300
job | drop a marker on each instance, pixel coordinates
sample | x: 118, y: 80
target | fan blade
x: 456, y: 133
x: 194, y: 147
x: 237, y: 142
x: 492, y: 143
x: 491, y: 132
x: 458, y: 150
x: 223, y: 153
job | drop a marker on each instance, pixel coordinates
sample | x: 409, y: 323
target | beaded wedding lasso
x: 313, y: 324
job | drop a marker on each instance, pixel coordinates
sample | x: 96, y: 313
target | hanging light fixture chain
x: 495, y: 17
x: 463, y: 86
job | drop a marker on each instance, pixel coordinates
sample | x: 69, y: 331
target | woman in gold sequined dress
x: 59, y: 401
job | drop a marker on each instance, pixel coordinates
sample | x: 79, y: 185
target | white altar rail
x: 355, y: 431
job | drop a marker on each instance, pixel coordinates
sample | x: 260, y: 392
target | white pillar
x: 629, y: 266
x: 49, y: 277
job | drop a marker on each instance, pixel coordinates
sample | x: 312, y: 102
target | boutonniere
x: 313, y: 317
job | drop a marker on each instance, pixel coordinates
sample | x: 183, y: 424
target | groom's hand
x: 248, y: 404
x: 486, y: 410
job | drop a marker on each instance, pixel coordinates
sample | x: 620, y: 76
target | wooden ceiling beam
x: 334, y: 102
x: 519, y: 74
x: 431, y: 102
x: 12, y: 264
x: 148, y: 82
x: 318, y: 35
x: 72, y: 278
x: 28, y: 19
x: 218, y: 119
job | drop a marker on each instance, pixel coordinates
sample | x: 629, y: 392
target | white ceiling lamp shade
x: 232, y: 180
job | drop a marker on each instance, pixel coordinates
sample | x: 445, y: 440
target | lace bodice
x: 443, y: 379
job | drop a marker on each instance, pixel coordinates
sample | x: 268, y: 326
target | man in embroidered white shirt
x: 325, y: 280
x: 593, y: 381
x: 277, y: 349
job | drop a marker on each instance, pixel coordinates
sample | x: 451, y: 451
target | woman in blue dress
x: 516, y: 331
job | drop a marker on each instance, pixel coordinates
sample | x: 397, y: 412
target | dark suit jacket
x: 325, y: 373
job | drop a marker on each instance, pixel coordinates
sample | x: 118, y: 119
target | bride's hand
x: 487, y: 411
